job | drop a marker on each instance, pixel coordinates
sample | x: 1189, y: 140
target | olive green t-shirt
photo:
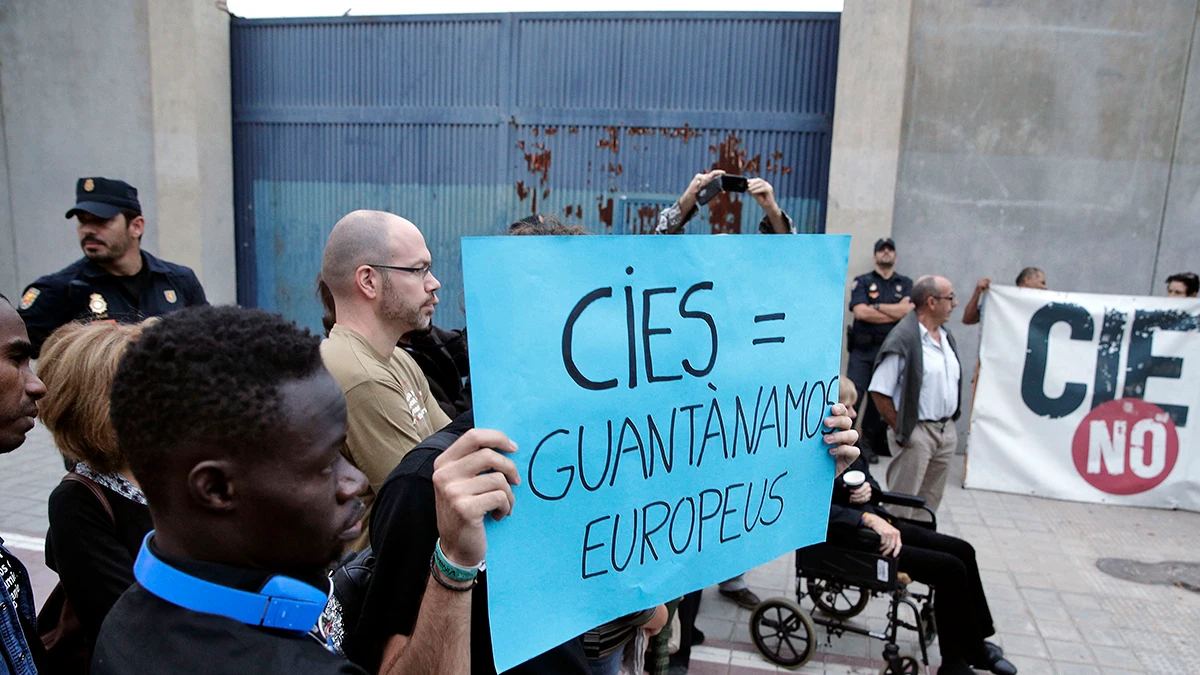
x: 388, y: 402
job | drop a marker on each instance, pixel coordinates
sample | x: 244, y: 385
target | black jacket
x: 442, y: 356
x: 146, y: 634
x: 85, y: 291
x: 92, y: 553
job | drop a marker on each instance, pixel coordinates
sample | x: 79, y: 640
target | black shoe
x: 955, y: 667
x: 697, y: 636
x: 744, y: 598
x: 1004, y: 667
x: 992, y: 659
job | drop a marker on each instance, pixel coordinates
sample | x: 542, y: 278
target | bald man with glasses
x: 379, y: 272
x: 916, y: 387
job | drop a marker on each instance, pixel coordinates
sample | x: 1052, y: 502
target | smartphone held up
x: 724, y: 182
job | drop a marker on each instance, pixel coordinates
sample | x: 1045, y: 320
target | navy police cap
x: 104, y: 197
x: 886, y: 242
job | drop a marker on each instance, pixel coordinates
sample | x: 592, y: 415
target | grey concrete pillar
x: 193, y: 139
x: 867, y: 124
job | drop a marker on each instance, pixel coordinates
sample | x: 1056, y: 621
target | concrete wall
x: 1064, y: 135
x: 1180, y: 250
x: 867, y: 124
x: 131, y: 89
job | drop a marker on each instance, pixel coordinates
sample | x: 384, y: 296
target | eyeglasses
x: 421, y: 272
x: 945, y: 297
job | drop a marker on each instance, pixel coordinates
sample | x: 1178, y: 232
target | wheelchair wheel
x: 838, y: 600
x: 783, y: 633
x: 905, y: 665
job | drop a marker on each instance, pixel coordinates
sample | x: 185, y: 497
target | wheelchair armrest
x: 901, y: 499
x: 912, y: 501
x: 856, y: 537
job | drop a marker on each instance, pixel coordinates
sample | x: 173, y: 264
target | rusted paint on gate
x: 725, y: 210
x: 685, y: 133
x: 538, y: 162
x: 606, y: 212
x: 613, y: 141
x: 647, y: 218
x: 775, y: 164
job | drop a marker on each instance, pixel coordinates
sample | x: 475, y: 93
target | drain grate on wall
x: 1185, y: 575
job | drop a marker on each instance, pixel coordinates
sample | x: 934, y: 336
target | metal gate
x: 463, y: 124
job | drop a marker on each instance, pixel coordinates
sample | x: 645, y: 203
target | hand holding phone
x: 724, y: 182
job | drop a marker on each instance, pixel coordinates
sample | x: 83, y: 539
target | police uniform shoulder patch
x: 97, y: 304
x: 854, y: 285
x: 29, y: 298
x: 170, y: 296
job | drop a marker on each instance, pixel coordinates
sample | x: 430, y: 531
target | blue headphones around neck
x: 282, y: 603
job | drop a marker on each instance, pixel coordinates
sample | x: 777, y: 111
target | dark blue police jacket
x: 84, y: 291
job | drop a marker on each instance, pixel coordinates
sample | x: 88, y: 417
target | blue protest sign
x: 668, y: 396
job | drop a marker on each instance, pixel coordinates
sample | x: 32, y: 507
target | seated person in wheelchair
x: 944, y: 562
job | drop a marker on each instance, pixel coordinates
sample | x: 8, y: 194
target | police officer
x: 878, y: 300
x: 115, y: 280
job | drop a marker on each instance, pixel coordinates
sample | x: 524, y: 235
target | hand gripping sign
x: 667, y: 395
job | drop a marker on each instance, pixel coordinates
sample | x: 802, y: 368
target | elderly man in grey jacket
x: 916, y: 387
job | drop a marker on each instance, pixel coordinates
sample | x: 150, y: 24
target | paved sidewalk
x: 1056, y: 613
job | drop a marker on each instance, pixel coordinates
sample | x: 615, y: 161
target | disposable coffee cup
x: 853, y: 479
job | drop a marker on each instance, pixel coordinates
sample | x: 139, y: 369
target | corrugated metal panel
x: 465, y: 123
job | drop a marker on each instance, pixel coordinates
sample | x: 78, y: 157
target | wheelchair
x: 841, y: 576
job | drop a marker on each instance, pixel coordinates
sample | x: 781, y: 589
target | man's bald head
x: 934, y: 298
x: 359, y: 238
x: 379, y: 274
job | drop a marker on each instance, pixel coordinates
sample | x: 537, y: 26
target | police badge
x: 97, y: 304
x: 30, y: 297
x: 170, y: 296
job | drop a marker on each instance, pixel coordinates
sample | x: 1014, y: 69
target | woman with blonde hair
x: 98, y: 514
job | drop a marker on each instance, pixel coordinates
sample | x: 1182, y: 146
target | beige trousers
x: 920, y: 467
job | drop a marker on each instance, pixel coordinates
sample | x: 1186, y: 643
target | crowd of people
x: 224, y: 461
x: 246, y: 495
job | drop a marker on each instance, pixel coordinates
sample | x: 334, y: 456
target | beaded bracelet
x: 433, y: 572
x: 450, y: 570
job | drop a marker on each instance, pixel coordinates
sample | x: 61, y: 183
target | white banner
x: 1092, y: 398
